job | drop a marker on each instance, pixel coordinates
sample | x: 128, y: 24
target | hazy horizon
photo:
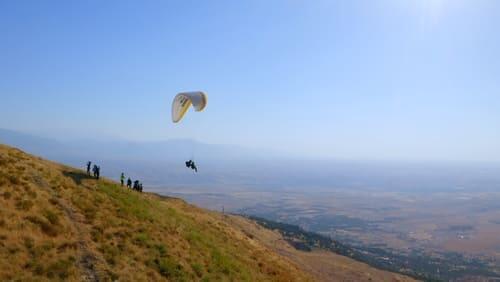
x: 28, y: 140
x: 384, y: 80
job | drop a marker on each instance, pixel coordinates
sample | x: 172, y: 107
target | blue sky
x: 391, y: 80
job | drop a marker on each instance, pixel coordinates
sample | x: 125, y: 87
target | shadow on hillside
x: 77, y: 176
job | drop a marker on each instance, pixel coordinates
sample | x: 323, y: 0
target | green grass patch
x: 51, y: 216
x: 198, y: 269
x: 129, y: 203
x: 142, y: 239
x: 169, y: 268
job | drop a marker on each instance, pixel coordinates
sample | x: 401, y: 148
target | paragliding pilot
x: 180, y: 106
x: 190, y: 164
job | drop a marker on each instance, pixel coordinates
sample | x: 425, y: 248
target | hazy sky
x: 366, y: 79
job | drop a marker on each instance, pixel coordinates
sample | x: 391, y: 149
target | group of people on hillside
x: 137, y: 185
x: 96, y: 170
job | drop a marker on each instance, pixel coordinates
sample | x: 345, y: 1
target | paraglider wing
x: 184, y: 100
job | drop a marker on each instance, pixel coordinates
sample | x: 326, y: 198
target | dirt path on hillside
x: 87, y: 259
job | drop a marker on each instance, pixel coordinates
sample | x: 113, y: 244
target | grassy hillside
x: 58, y: 224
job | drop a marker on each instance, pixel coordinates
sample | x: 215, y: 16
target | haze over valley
x: 427, y: 208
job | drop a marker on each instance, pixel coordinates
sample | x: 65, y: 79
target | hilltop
x: 56, y: 223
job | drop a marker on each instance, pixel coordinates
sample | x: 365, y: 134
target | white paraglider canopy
x: 184, y: 100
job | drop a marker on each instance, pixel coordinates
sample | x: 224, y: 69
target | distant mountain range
x: 230, y: 166
x: 156, y: 163
x: 173, y: 150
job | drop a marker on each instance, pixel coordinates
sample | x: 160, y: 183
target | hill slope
x: 56, y: 223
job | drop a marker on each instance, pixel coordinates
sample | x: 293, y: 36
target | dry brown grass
x: 57, y: 224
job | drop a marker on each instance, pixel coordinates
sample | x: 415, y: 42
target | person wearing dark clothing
x: 122, y: 178
x: 98, y: 172
x: 136, y: 185
x: 140, y: 187
x: 89, y: 163
x: 129, y: 183
x: 190, y: 164
x: 94, y: 170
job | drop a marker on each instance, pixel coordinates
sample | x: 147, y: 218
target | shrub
x: 141, y: 239
x: 169, y: 268
x: 13, y: 179
x: 52, y: 217
x: 198, y: 269
x: 162, y: 250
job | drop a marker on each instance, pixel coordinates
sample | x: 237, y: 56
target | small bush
x: 141, y: 239
x: 198, y: 269
x: 52, y: 217
x: 162, y: 250
x: 169, y: 268
x: 13, y: 179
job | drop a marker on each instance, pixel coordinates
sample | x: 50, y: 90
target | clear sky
x: 393, y: 79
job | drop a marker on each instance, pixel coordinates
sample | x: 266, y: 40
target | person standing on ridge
x: 94, y: 170
x: 129, y: 183
x: 98, y: 172
x: 89, y: 163
x: 122, y: 178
